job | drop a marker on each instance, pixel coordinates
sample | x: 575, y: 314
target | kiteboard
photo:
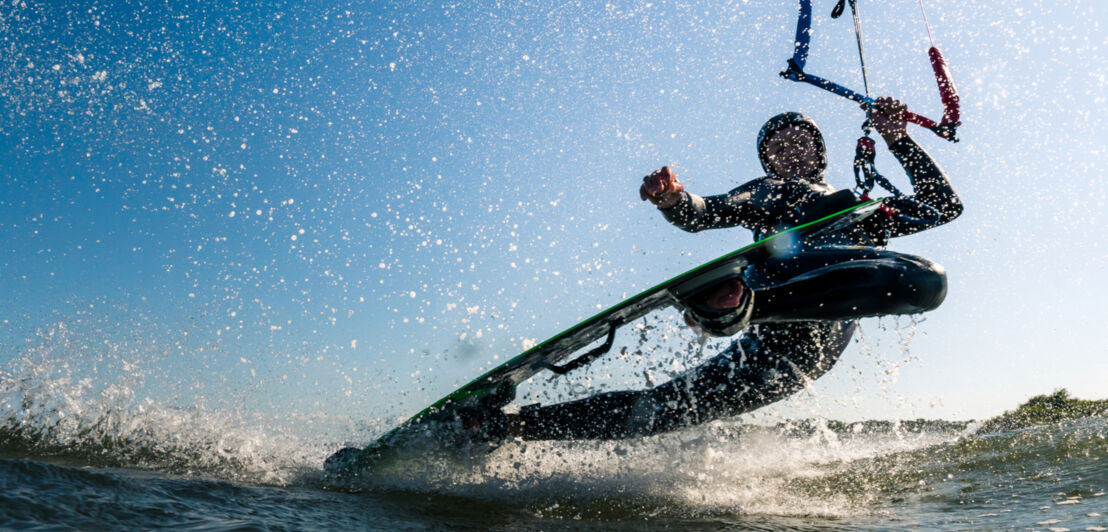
x: 437, y: 425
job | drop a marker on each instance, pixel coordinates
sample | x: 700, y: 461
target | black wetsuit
x: 804, y: 304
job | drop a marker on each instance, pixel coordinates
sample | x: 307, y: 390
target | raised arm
x: 934, y: 201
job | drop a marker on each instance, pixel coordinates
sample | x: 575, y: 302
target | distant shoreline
x: 1036, y: 411
x: 1044, y: 410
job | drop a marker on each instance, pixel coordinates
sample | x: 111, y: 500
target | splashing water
x: 790, y: 474
x: 52, y: 405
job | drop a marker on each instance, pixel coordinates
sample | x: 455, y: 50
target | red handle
x: 951, y: 103
x: 949, y: 94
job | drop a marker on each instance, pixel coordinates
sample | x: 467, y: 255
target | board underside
x: 572, y: 340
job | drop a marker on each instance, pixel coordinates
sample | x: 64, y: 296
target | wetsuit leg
x: 840, y: 283
x: 772, y: 359
x: 766, y: 364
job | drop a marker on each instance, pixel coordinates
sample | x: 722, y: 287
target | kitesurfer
x: 796, y: 311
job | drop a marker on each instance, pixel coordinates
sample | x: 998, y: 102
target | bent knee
x: 920, y: 287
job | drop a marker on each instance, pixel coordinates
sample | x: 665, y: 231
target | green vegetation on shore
x: 1037, y: 411
x: 1044, y: 410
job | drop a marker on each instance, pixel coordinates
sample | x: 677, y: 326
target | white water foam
x: 51, y: 405
x: 722, y: 468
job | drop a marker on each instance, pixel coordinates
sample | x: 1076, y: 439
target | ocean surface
x: 159, y: 468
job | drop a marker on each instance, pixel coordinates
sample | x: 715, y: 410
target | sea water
x: 103, y: 462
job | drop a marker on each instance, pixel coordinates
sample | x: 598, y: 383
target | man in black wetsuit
x: 797, y: 312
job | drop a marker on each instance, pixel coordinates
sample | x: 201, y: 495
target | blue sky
x: 350, y: 209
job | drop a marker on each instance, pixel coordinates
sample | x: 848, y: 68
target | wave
x: 177, y: 441
x: 51, y: 409
x: 914, y: 470
x: 719, y: 470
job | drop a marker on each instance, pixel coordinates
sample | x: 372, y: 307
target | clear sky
x: 349, y: 209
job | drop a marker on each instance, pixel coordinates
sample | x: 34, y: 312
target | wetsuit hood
x: 781, y: 121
